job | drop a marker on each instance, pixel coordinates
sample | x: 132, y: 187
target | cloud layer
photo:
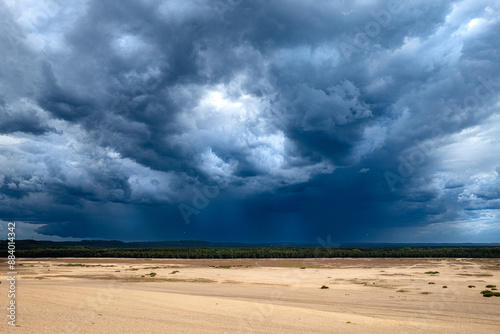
x: 251, y: 120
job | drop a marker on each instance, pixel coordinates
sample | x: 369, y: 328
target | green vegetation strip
x: 257, y: 252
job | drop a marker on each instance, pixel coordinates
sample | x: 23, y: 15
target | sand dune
x: 254, y: 296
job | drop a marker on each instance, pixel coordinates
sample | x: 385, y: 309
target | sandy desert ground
x: 75, y: 295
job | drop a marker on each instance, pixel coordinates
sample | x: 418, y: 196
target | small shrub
x: 324, y: 287
x: 445, y: 287
x: 175, y: 272
x: 471, y: 286
x: 486, y: 291
x: 302, y: 267
x: 349, y: 322
x: 432, y: 272
x: 431, y: 283
x: 152, y: 274
x: 491, y: 286
x: 488, y: 294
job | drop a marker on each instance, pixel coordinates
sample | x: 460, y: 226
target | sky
x: 251, y: 121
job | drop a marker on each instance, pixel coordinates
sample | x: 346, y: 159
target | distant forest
x: 29, y: 248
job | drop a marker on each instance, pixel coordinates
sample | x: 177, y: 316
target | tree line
x: 261, y: 252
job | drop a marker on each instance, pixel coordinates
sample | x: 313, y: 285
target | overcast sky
x: 252, y: 121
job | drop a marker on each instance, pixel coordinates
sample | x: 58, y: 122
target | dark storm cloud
x: 22, y: 118
x: 357, y: 120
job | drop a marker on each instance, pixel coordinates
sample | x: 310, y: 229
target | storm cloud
x: 234, y: 120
